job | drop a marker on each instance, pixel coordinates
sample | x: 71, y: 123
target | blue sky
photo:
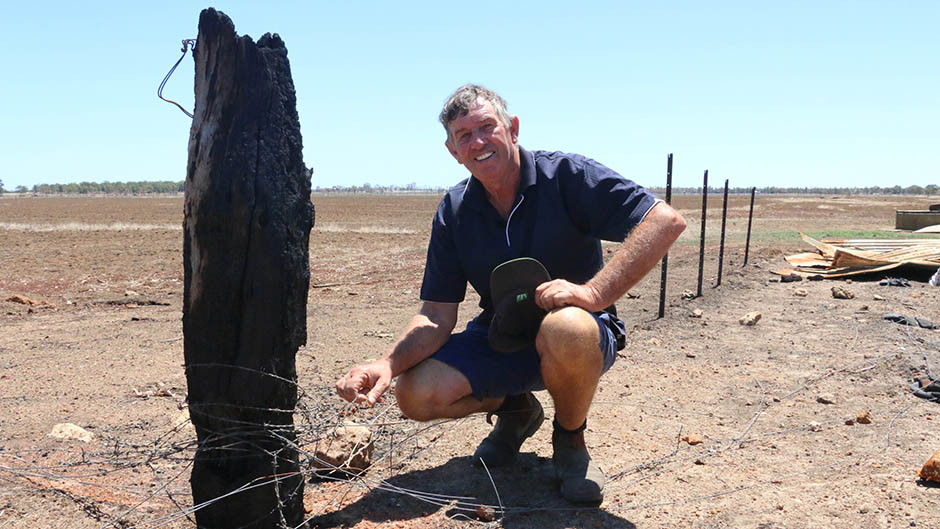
x: 797, y: 93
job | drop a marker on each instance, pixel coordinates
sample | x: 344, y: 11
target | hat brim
x: 509, y: 282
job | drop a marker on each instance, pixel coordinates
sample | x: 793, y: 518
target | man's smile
x: 482, y: 157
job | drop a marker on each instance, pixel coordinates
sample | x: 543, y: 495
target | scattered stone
x: 22, y: 300
x: 816, y: 277
x: 67, y: 430
x: 863, y: 417
x: 349, y: 447
x: 815, y: 426
x: 839, y: 292
x: 825, y: 398
x: 849, y: 422
x: 750, y: 319
x: 130, y: 293
x: 801, y: 292
x: 790, y: 278
x: 894, y: 282
x: 876, y: 297
x: 689, y: 354
x: 485, y: 513
x: 697, y: 313
x: 688, y: 294
x: 910, y: 320
x: 931, y: 469
x: 693, y: 439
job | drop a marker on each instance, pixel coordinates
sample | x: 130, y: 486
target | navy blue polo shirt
x: 566, y: 205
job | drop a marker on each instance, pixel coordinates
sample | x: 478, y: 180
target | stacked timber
x: 847, y: 257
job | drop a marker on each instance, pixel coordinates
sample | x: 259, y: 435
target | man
x: 555, y: 208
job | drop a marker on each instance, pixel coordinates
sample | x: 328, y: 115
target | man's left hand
x: 559, y: 293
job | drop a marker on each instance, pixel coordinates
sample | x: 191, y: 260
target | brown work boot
x: 518, y: 418
x: 581, y: 480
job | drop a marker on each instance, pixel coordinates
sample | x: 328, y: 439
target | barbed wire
x: 316, y: 420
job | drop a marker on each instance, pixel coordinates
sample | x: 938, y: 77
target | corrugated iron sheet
x: 848, y: 257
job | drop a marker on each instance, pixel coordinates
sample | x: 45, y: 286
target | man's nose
x: 478, y: 138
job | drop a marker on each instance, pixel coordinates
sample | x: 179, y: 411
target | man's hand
x: 559, y: 293
x: 366, y: 383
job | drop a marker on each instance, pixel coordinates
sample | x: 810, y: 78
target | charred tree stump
x: 246, y: 230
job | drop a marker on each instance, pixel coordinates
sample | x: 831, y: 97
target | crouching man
x: 554, y: 208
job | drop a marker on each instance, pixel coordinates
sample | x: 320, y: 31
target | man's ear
x: 514, y: 128
x: 451, y: 150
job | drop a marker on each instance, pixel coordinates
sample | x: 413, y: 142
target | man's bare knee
x: 414, y: 397
x: 570, y: 330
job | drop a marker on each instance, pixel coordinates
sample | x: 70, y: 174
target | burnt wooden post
x: 246, y: 230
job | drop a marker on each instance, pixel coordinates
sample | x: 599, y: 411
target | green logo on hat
x: 522, y: 297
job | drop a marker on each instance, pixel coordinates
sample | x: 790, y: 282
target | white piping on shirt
x: 521, y: 200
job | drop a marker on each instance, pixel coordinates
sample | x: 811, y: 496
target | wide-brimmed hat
x: 516, y: 318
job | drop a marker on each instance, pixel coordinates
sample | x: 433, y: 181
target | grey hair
x: 465, y: 98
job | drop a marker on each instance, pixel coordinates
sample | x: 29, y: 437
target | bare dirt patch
x: 775, y: 404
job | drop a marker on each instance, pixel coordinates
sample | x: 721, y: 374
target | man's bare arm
x: 425, y: 333
x: 645, y: 246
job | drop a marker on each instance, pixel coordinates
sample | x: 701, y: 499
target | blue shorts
x: 495, y: 374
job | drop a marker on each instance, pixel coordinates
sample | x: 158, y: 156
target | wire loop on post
x: 187, y: 44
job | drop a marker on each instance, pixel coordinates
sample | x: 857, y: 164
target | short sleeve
x: 604, y: 203
x: 444, y: 280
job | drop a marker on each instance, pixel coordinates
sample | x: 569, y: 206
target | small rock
x: 815, y: 426
x: 825, y: 398
x: 22, y: 300
x: 689, y: 354
x: 931, y: 469
x: 697, y: 313
x: 800, y: 292
x: 750, y: 319
x: 67, y: 430
x: 839, y: 292
x: 863, y: 417
x: 849, y: 422
x: 790, y: 278
x: 876, y: 297
x: 129, y: 293
x: 349, y: 447
x: 655, y: 342
x: 688, y: 294
x: 693, y: 439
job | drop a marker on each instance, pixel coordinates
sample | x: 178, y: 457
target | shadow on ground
x: 527, y: 491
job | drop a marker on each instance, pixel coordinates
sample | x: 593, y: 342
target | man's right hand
x: 366, y: 383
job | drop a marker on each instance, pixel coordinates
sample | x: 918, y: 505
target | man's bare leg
x: 569, y: 345
x: 435, y: 390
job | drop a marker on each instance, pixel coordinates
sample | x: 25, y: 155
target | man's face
x: 483, y: 144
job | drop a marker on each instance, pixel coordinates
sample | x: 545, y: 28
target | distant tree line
x: 139, y: 188
x: 108, y: 188
x: 369, y: 188
x: 931, y: 189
